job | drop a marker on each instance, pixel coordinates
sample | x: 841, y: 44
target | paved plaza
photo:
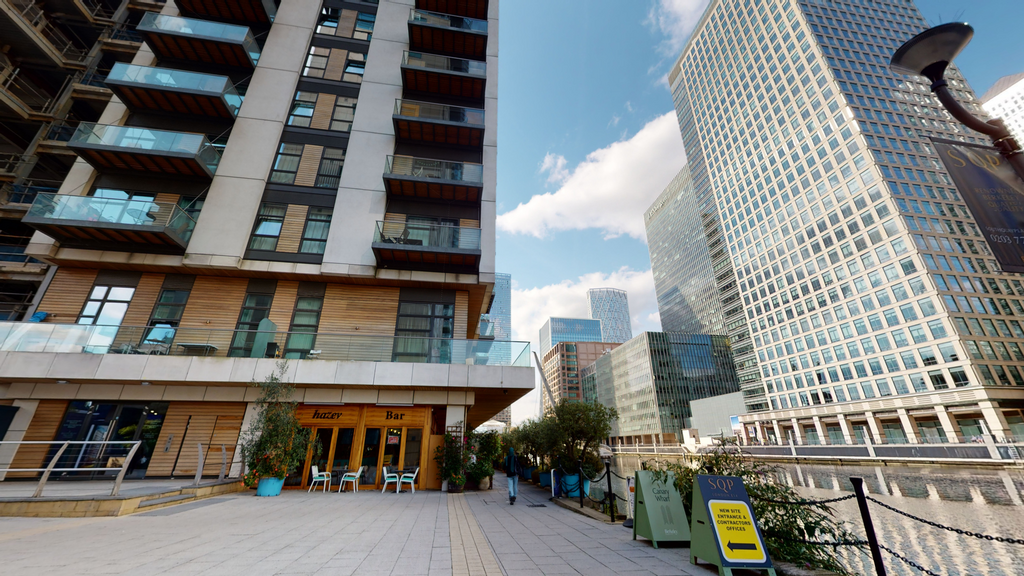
x: 426, y: 533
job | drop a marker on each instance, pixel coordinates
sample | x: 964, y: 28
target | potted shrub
x: 451, y: 458
x: 275, y: 442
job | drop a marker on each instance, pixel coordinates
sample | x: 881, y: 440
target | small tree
x: 575, y: 430
x: 275, y: 442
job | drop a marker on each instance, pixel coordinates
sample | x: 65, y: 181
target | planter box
x: 537, y: 477
x: 570, y: 486
x: 543, y: 479
x: 269, y: 487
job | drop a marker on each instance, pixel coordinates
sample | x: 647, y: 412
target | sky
x: 587, y: 139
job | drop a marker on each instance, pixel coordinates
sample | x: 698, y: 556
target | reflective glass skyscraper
x: 557, y: 330
x: 611, y: 307
x: 863, y: 277
x: 499, y: 317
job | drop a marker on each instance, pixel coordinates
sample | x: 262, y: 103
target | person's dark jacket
x: 511, y: 466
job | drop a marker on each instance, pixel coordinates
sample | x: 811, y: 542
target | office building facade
x: 557, y: 330
x: 308, y: 182
x: 876, y: 309
x: 562, y: 366
x: 611, y: 307
x: 681, y: 262
x: 652, y: 379
x: 1005, y: 99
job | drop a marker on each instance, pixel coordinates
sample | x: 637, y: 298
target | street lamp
x: 929, y: 54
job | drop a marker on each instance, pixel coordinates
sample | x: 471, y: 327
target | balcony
x: 169, y: 91
x: 432, y: 248
x: 469, y: 8
x: 172, y: 341
x: 437, y: 180
x: 443, y: 76
x: 448, y: 35
x: 199, y: 41
x: 21, y: 196
x: 128, y: 148
x: 111, y: 223
x: 24, y: 26
x: 259, y: 12
x: 21, y: 98
x: 428, y: 123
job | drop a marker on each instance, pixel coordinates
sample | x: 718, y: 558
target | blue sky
x: 587, y: 139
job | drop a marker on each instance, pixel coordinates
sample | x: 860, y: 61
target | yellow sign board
x: 737, y: 535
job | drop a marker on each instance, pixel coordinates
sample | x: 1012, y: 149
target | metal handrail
x: 34, y: 17
x: 223, y: 461
x: 64, y: 445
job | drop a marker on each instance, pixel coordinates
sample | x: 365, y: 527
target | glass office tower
x: 611, y: 307
x: 557, y: 330
x: 864, y: 279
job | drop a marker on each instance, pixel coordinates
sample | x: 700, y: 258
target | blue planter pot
x: 570, y: 486
x: 545, y: 480
x: 526, y: 473
x: 269, y: 487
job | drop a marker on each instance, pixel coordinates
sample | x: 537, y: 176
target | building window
x: 344, y: 113
x: 255, y: 308
x: 286, y: 165
x: 360, y: 29
x: 268, y: 227
x: 355, y: 68
x: 314, y: 235
x: 305, y: 321
x: 328, y: 175
x: 422, y: 332
x: 164, y: 321
x: 302, y: 109
x: 106, y: 305
x: 316, y: 62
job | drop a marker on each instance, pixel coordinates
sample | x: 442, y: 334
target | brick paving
x: 369, y: 533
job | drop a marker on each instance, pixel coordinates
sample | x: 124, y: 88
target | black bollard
x: 611, y: 495
x: 579, y: 465
x: 869, y: 528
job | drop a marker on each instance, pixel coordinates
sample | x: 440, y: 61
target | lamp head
x: 930, y: 52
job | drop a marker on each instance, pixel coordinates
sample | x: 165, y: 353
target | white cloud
x: 629, y: 106
x: 532, y: 307
x: 609, y: 190
x: 675, y: 19
x: 614, y: 121
x: 554, y: 165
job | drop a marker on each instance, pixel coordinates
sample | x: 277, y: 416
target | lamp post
x: 929, y: 54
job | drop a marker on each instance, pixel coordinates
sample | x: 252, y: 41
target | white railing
x: 121, y: 470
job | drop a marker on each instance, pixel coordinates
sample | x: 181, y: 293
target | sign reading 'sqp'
x: 994, y: 193
x: 724, y: 530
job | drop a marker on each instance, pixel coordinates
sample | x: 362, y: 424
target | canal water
x: 987, y: 501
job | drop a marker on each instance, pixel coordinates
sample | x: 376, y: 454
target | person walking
x: 512, y: 470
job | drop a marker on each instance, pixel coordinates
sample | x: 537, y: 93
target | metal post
x: 46, y: 473
x: 611, y: 495
x: 199, y: 466
x: 223, y: 463
x: 124, y: 468
x: 869, y: 528
x: 579, y: 465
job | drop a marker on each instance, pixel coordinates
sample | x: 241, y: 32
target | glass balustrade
x: 448, y: 21
x: 55, y: 209
x: 438, y: 112
x: 427, y: 235
x: 178, y: 80
x: 201, y: 29
x: 148, y: 141
x: 444, y: 63
x: 434, y: 169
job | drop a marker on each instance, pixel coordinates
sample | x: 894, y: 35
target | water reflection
x: 987, y: 501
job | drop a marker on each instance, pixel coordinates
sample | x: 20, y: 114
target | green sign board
x: 660, y: 516
x: 725, y: 532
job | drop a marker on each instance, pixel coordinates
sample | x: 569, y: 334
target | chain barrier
x: 834, y: 544
x: 949, y: 528
x: 805, y: 502
x: 908, y: 561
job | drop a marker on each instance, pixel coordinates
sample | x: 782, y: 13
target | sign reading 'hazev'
x: 993, y: 192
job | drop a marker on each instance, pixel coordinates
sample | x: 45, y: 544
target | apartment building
x: 562, y: 365
x: 875, y: 308
x: 309, y: 182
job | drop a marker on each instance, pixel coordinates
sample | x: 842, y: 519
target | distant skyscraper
x: 868, y: 290
x: 557, y: 330
x: 684, y: 272
x: 611, y: 307
x: 500, y: 315
x: 1005, y: 99
x: 563, y: 365
x: 505, y: 416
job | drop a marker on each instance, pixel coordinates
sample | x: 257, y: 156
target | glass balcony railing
x: 447, y: 21
x: 434, y: 169
x: 57, y: 209
x: 427, y: 235
x: 177, y: 80
x: 438, y: 112
x: 147, y: 141
x: 167, y: 340
x: 444, y: 63
x: 154, y: 23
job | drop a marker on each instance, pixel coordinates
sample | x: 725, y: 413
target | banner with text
x: 993, y: 192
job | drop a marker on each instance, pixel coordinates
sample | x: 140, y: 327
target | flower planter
x: 485, y: 483
x: 525, y: 473
x: 454, y: 488
x: 543, y: 479
x: 269, y: 486
x: 570, y: 486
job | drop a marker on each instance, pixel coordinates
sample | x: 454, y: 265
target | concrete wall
x: 711, y: 415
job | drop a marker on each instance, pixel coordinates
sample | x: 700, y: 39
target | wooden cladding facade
x: 43, y: 428
x: 215, y: 303
x: 188, y: 425
x: 294, y: 223
x: 66, y: 294
x: 336, y: 62
x: 323, y: 111
x: 309, y: 163
x: 364, y: 310
x: 461, y: 314
x: 346, y: 25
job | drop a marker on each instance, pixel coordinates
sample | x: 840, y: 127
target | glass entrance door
x: 335, y: 452
x: 371, y: 456
x: 391, y: 456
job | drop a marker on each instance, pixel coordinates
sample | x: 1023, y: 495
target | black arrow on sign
x: 735, y: 547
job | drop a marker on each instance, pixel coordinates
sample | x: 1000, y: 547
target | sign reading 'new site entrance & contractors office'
x: 993, y: 192
x: 724, y: 530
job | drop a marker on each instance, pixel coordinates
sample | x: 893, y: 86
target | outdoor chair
x: 319, y: 476
x: 352, y: 477
x: 409, y: 479
x: 388, y: 478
